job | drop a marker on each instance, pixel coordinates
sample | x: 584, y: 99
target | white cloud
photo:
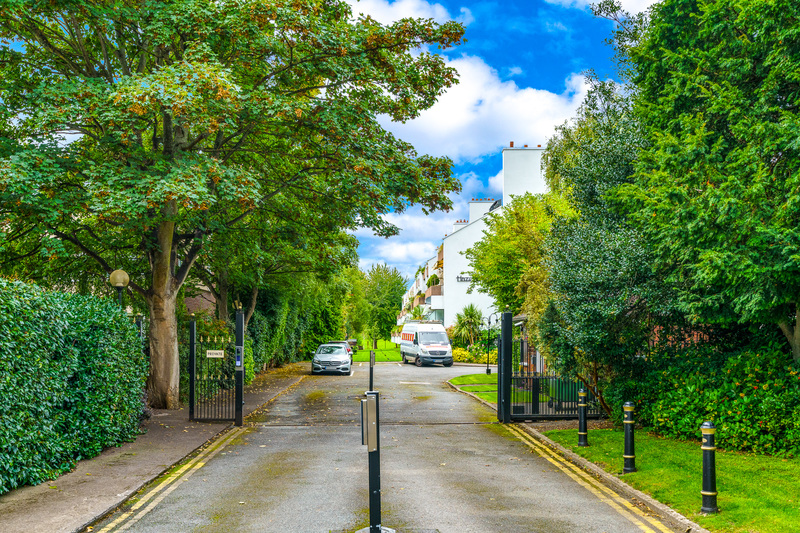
x: 632, y: 6
x: 515, y: 71
x: 386, y: 12
x: 482, y: 114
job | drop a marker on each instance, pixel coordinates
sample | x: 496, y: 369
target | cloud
x: 482, y: 114
x: 632, y: 6
x: 386, y: 12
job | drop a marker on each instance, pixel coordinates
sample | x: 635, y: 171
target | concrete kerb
x: 669, y: 515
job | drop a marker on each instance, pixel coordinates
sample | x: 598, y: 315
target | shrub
x: 752, y: 396
x: 461, y: 355
x: 72, y: 376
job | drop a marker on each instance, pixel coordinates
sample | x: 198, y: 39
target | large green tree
x: 718, y: 184
x: 607, y: 299
x: 384, y: 292
x: 185, y: 117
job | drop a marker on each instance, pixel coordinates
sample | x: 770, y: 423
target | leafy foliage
x: 507, y: 262
x: 717, y: 185
x: 195, y: 123
x: 606, y: 297
x: 467, y: 326
x: 72, y: 377
x: 384, y: 293
x: 752, y: 396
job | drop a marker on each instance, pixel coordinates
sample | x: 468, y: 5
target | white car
x: 331, y: 357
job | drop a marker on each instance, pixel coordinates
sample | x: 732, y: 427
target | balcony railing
x: 433, y: 290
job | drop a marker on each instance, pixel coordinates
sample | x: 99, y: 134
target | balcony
x: 433, y: 290
x: 419, y: 300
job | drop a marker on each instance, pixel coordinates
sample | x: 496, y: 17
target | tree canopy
x: 134, y: 131
x: 718, y: 183
x: 507, y: 263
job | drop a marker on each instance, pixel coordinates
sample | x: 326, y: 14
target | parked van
x: 425, y: 343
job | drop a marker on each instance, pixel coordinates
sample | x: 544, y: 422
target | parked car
x: 347, y: 346
x: 331, y: 357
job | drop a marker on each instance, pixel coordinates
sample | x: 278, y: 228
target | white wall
x: 454, y: 291
x: 522, y: 172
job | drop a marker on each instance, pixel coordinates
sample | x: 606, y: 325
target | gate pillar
x: 504, y: 370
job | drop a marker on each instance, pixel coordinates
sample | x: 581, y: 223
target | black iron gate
x: 216, y: 377
x: 524, y: 394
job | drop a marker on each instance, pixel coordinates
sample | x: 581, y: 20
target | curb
x: 669, y: 515
x: 223, y: 431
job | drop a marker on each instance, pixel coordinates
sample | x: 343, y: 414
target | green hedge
x: 752, y: 396
x: 72, y: 377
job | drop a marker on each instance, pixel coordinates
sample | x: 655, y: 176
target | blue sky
x: 521, y: 74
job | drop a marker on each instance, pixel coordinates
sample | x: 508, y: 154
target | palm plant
x: 417, y: 314
x: 468, y: 324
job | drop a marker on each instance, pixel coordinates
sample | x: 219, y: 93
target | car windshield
x: 327, y: 350
x: 433, y: 337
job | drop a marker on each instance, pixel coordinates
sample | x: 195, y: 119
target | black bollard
x: 628, y: 455
x: 583, y: 435
x: 709, y: 491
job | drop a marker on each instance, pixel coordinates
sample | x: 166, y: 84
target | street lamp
x: 488, y: 340
x: 119, y: 279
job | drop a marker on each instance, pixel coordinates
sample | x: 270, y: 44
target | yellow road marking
x: 605, y: 494
x: 170, y: 482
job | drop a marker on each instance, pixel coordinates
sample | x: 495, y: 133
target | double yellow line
x: 603, y: 493
x: 170, y: 482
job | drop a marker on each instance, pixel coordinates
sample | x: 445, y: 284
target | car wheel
x: 418, y: 361
x: 448, y: 364
x: 405, y: 361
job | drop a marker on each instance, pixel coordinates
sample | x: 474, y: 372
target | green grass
x: 387, y: 351
x: 757, y: 493
x: 474, y: 378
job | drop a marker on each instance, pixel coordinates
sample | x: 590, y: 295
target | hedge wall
x: 72, y: 376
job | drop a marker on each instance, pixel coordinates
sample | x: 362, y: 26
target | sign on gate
x: 215, y: 353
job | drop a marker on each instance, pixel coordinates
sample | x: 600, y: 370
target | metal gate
x: 524, y: 394
x: 216, y: 377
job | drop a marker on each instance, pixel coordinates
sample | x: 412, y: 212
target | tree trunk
x: 792, y: 333
x: 164, y: 380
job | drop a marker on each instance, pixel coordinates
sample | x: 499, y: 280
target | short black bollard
x: 709, y: 491
x: 583, y: 435
x: 629, y: 454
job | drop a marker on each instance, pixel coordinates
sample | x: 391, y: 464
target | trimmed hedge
x: 72, y: 378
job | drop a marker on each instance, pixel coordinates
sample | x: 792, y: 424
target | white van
x: 425, y: 343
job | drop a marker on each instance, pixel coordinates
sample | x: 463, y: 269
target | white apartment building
x: 522, y: 172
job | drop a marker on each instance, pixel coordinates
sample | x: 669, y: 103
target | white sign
x: 215, y: 353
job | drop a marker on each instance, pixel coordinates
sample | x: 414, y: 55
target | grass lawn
x: 484, y: 386
x: 387, y: 351
x: 756, y: 493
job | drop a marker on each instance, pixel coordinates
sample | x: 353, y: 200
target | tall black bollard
x: 709, y: 491
x: 629, y: 454
x: 375, y: 469
x: 583, y: 434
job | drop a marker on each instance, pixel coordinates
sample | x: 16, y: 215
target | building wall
x: 522, y: 172
x: 454, y: 292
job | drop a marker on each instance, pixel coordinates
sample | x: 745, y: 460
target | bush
x: 752, y: 396
x: 461, y: 355
x: 72, y: 377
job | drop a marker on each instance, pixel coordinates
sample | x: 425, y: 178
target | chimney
x: 512, y: 144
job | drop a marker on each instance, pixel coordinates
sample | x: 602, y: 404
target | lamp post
x: 119, y: 279
x: 488, y: 340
